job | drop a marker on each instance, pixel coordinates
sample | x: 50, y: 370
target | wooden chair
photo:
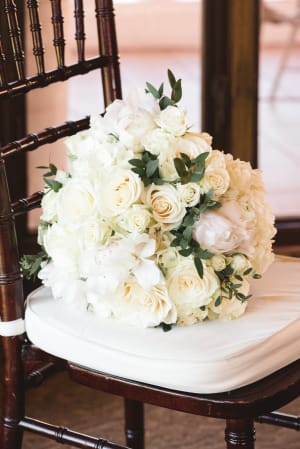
x: 138, y: 377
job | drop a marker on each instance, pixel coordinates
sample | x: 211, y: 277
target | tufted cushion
x: 206, y: 358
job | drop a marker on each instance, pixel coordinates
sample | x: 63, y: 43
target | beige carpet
x: 63, y: 402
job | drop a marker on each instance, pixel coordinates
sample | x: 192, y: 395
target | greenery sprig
x: 190, y: 170
x: 53, y: 184
x: 147, y: 169
x: 31, y: 264
x: 183, y: 234
x: 164, y: 101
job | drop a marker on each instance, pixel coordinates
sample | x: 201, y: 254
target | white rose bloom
x: 49, y: 206
x: 61, y: 245
x: 239, y: 263
x: 143, y: 308
x: 218, y: 234
x: 76, y: 203
x: 173, y: 120
x: 216, y: 179
x: 94, y: 232
x: 119, y: 190
x: 166, y: 167
x: 189, y: 194
x: 166, y: 206
x: 168, y: 258
x: 218, y: 262
x: 136, y: 219
x: 187, y: 290
x: 158, y: 141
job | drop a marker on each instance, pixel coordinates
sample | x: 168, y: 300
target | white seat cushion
x: 209, y: 357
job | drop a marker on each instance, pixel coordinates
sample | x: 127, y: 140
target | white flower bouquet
x: 151, y: 225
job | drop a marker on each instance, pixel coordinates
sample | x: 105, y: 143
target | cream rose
x: 189, y: 194
x: 187, y: 289
x: 144, y: 308
x: 120, y: 189
x: 173, y: 120
x: 166, y: 206
x: 218, y: 262
x: 216, y: 179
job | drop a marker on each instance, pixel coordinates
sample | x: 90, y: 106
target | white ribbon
x: 12, y: 328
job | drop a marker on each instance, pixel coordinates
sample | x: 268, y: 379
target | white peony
x: 167, y: 208
x: 158, y: 141
x: 172, y: 120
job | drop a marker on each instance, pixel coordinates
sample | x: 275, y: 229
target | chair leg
x: 240, y: 434
x: 12, y: 408
x: 134, y: 423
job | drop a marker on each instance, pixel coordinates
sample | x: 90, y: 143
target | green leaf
x: 188, y: 220
x: 137, y: 162
x: 165, y: 102
x: 54, y: 185
x: 180, y: 167
x: 197, y: 176
x: 43, y: 167
x: 203, y: 254
x: 201, y: 158
x: 166, y: 327
x: 256, y: 276
x: 218, y: 301
x: 139, y: 171
x: 186, y: 159
x: 171, y: 77
x: 187, y: 233
x: 199, y: 266
x: 161, y: 89
x: 184, y: 243
x: 238, y: 277
x: 185, y: 252
x: 151, y: 167
x: 248, y: 271
x: 176, y: 91
x: 153, y: 90
x: 158, y: 181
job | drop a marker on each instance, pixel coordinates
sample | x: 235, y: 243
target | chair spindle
x: 108, y: 46
x: 58, y: 31
x: 35, y: 28
x: 3, y: 77
x: 15, y: 37
x: 79, y: 33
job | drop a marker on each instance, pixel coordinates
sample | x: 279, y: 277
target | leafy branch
x: 31, y: 264
x: 163, y: 100
x: 190, y: 170
x: 147, y: 168
x: 183, y: 235
x: 51, y: 183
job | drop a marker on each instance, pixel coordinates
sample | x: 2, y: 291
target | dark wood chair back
x: 19, y: 365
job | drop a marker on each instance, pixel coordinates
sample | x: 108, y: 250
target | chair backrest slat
x: 26, y: 204
x: 79, y: 26
x: 15, y: 37
x: 3, y: 77
x: 108, y: 46
x: 35, y: 28
x: 58, y: 30
x: 49, y: 135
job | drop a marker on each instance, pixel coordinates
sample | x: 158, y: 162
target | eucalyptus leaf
x: 171, y: 77
x: 151, y: 167
x: 153, y: 90
x: 54, y: 185
x: 180, y: 167
x: 199, y: 266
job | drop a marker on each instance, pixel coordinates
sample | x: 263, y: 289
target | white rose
x: 76, y: 203
x: 143, y: 308
x: 173, y: 120
x: 136, y: 219
x: 166, y: 167
x: 218, y: 234
x: 49, y: 206
x: 216, y: 179
x: 218, y: 262
x: 239, y: 263
x: 187, y: 289
x: 166, y: 206
x: 168, y: 258
x: 120, y: 189
x: 94, y: 232
x: 159, y: 141
x: 189, y: 194
x: 61, y: 245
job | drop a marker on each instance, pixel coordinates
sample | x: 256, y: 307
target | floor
x: 279, y: 119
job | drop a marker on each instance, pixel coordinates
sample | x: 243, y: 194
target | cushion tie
x: 12, y: 328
